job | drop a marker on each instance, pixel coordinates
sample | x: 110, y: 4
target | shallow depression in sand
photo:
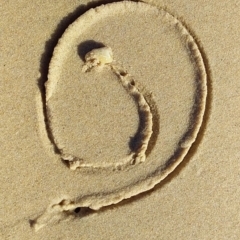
x: 92, y: 116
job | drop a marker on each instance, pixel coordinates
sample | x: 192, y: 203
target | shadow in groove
x: 48, y: 52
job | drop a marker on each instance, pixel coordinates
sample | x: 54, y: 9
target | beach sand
x: 142, y: 146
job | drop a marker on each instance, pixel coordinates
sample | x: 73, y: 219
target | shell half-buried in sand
x: 143, y: 98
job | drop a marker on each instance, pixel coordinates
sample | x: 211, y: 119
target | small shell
x: 102, y: 55
x: 98, y: 57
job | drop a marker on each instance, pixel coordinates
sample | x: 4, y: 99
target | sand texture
x: 120, y: 120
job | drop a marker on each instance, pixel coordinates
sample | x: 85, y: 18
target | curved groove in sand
x: 97, y: 200
x: 98, y: 58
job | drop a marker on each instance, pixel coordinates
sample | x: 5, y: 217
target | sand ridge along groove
x: 99, y: 58
x: 90, y: 115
